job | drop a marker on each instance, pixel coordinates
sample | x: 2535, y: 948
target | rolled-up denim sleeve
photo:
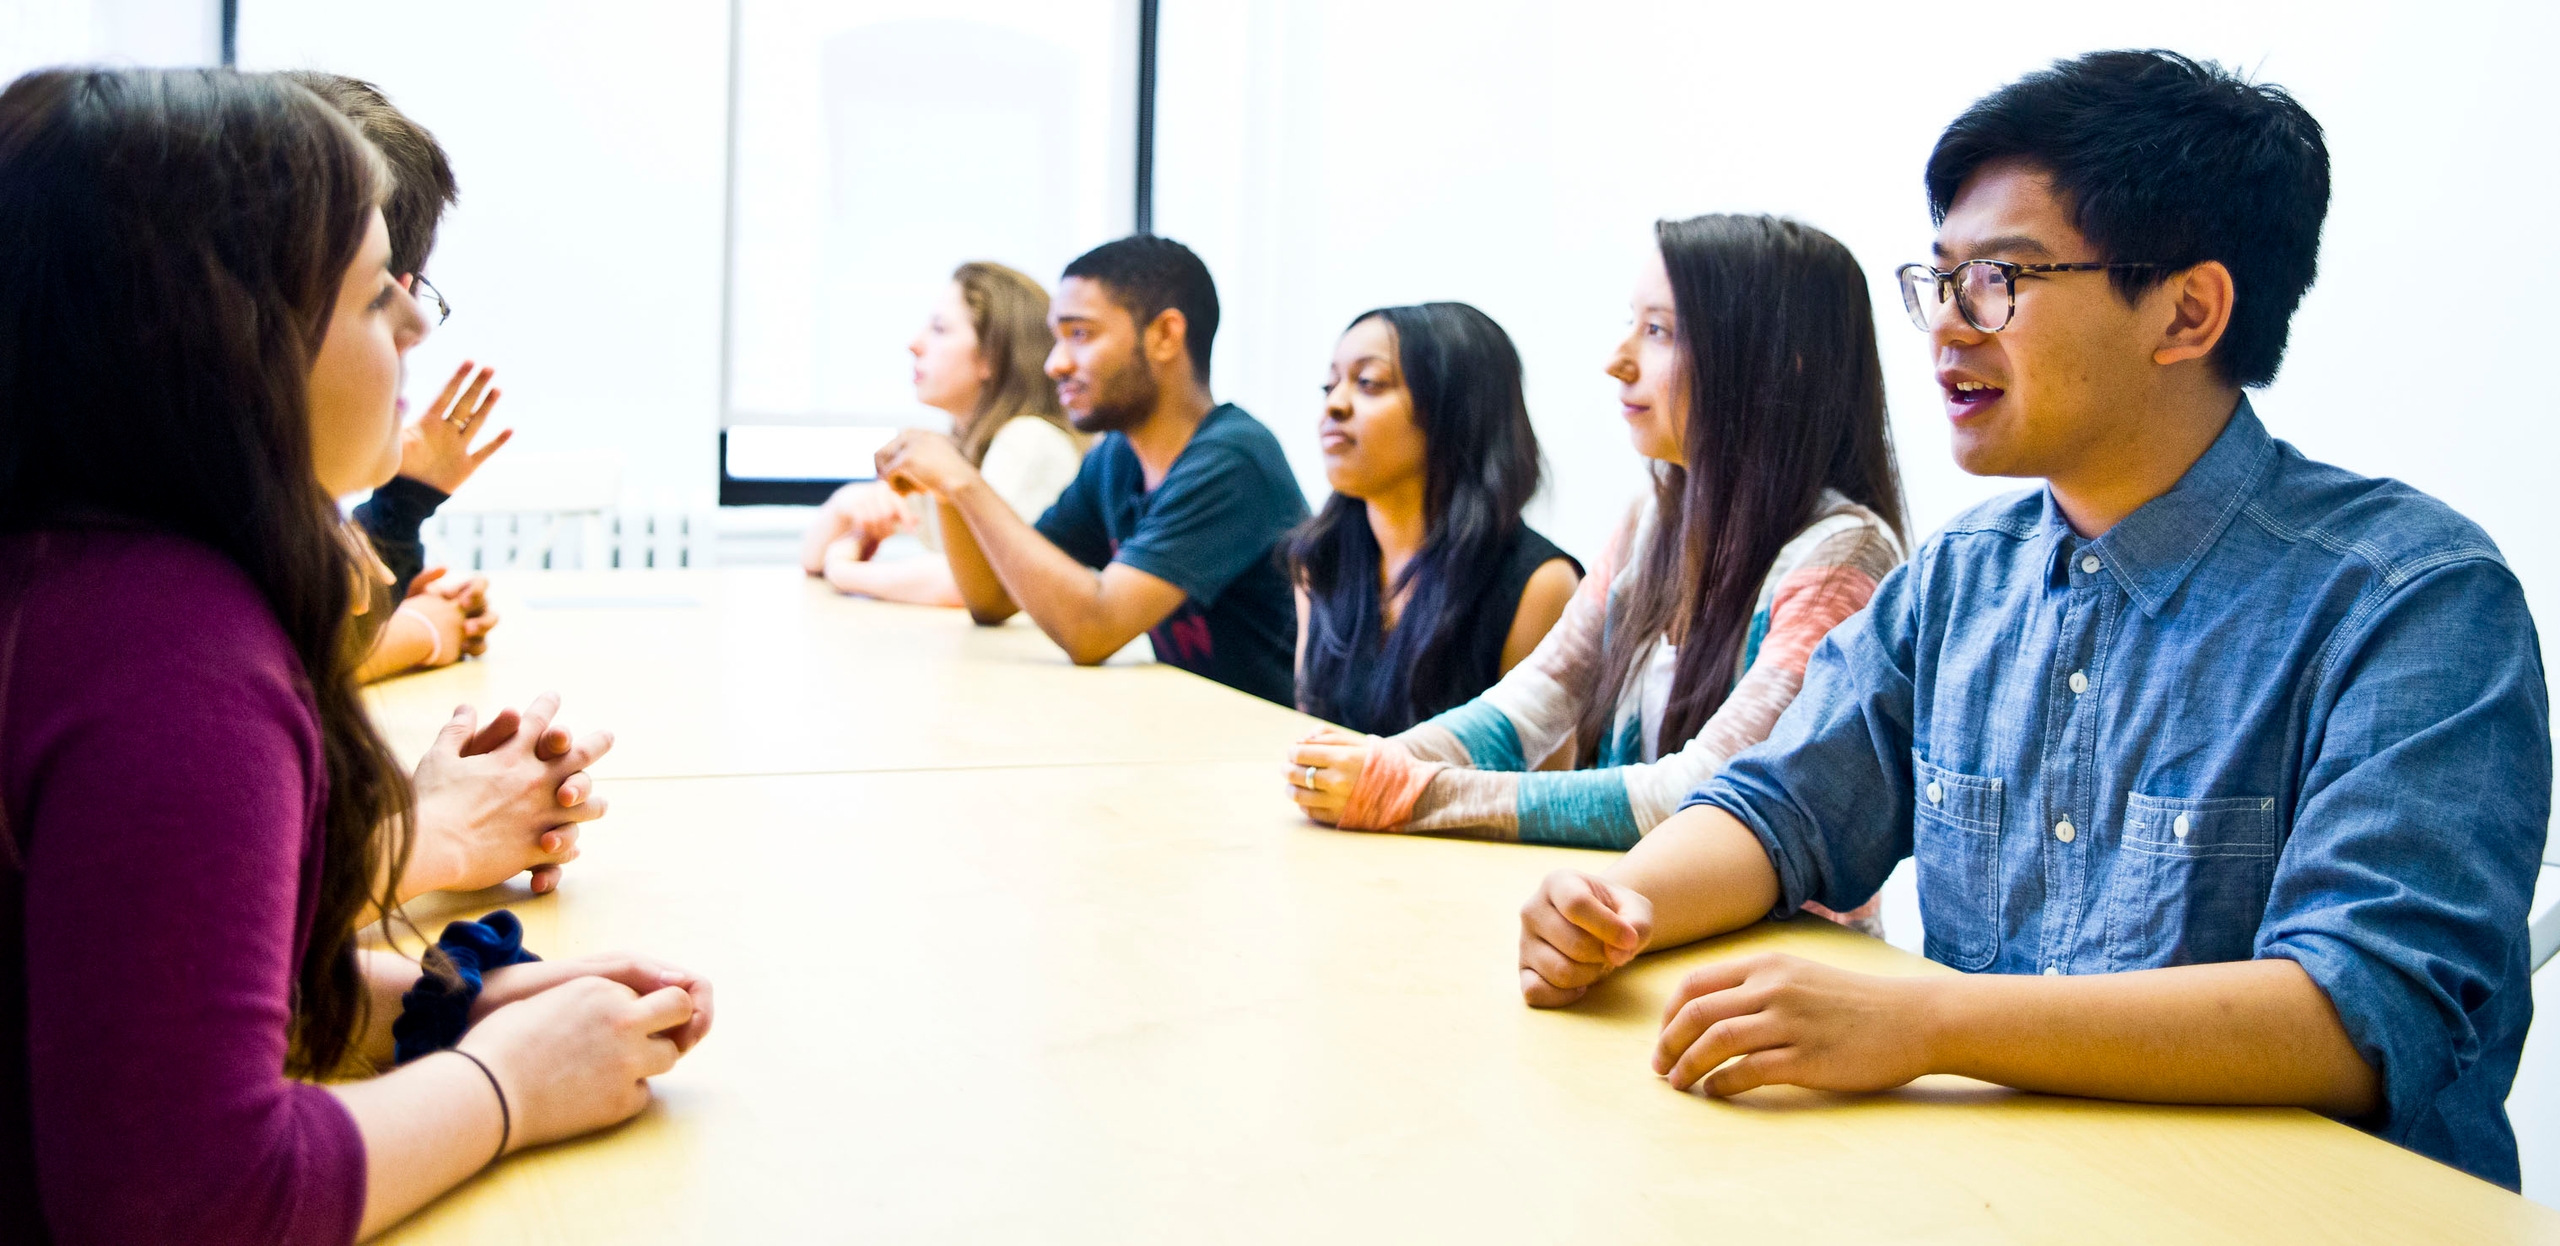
x: 2404, y: 887
x: 1829, y: 792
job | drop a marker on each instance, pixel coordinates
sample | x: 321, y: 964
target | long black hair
x: 1480, y: 466
x: 1786, y: 399
x: 171, y: 248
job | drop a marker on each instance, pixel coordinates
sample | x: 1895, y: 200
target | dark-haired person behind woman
x: 1751, y: 377
x: 1418, y: 585
x: 200, y: 342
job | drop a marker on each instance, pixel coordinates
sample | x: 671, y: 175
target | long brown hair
x: 1786, y: 399
x: 1010, y: 313
x: 176, y: 241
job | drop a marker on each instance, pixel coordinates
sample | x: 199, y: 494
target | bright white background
x: 1328, y: 156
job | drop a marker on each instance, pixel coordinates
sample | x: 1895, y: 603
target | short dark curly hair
x: 2171, y: 161
x: 1147, y: 274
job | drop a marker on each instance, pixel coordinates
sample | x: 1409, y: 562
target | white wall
x: 584, y: 261
x: 36, y: 33
x: 1328, y: 155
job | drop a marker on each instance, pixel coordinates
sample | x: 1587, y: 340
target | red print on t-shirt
x: 1187, y: 634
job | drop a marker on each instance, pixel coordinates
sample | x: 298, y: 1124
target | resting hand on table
x: 577, y: 1056
x: 501, y: 799
x: 1324, y: 768
x: 643, y: 974
x: 1791, y: 1021
x: 1575, y: 930
x: 853, y: 522
x: 470, y: 599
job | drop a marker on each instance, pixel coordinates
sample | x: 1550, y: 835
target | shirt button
x: 2180, y: 827
x: 2062, y: 831
x: 2052, y: 971
x: 1937, y: 793
x: 2089, y: 563
x: 2079, y: 682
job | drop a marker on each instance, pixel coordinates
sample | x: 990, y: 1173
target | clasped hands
x: 1737, y: 1024
x: 457, y: 615
x: 497, y: 800
x: 917, y: 461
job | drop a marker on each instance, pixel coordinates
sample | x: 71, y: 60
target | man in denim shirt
x: 2228, y: 769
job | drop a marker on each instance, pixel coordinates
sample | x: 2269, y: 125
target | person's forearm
x: 2253, y: 1032
x: 980, y: 589
x: 1704, y: 872
x: 403, y: 643
x: 918, y: 581
x: 1062, y: 595
x: 386, y: 976
x: 426, y: 1129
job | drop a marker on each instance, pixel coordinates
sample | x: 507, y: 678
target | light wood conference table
x: 767, y: 671
x: 1134, y: 1000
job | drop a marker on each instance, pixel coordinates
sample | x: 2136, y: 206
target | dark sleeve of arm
x: 392, y: 517
x: 1074, y: 522
x: 1829, y: 792
x: 167, y: 833
x: 2404, y: 887
x: 1210, y: 521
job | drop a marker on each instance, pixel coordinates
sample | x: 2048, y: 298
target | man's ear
x: 1167, y: 337
x: 2199, y: 305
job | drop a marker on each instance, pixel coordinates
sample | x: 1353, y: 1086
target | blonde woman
x: 978, y: 357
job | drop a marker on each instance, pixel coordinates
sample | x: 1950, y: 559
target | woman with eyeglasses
x: 1418, y: 584
x: 1750, y: 377
x: 979, y: 357
x: 200, y: 343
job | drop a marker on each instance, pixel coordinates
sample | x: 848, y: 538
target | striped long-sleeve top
x: 1468, y: 771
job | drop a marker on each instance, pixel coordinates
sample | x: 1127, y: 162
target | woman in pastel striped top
x: 1751, y: 377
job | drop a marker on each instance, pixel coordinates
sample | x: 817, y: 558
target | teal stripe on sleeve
x: 1576, y: 809
x: 1492, y: 743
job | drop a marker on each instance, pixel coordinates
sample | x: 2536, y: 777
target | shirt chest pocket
x: 2189, y: 881
x: 1955, y: 844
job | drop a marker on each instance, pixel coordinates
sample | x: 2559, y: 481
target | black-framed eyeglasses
x: 428, y: 296
x: 1986, y: 291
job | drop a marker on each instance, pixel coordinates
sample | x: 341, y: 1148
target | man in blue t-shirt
x: 1171, y: 525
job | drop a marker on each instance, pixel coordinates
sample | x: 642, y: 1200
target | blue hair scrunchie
x: 434, y: 1013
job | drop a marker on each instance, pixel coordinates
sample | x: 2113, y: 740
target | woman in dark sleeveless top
x: 1418, y: 585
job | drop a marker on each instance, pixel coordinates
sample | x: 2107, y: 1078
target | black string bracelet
x: 506, y: 1119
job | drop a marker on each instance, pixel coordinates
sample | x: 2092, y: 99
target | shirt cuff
x: 2391, y: 1022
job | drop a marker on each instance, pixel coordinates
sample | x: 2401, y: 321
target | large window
x: 877, y: 145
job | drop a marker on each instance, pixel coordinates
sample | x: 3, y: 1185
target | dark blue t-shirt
x: 1210, y: 529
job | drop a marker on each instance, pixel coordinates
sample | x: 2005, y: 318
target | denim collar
x: 2153, y: 550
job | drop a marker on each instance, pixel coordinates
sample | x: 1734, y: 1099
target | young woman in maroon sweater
x: 200, y: 342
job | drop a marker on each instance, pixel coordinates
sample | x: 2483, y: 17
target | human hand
x: 1575, y: 930
x: 436, y: 448
x: 471, y: 596
x: 502, y: 799
x: 1792, y: 1021
x: 446, y: 633
x: 1324, y: 768
x: 643, y: 974
x: 577, y: 1057
x: 875, y: 513
x: 919, y: 461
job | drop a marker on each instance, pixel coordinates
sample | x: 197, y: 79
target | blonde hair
x: 1010, y: 313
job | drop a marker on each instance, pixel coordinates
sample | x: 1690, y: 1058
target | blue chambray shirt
x: 2279, y: 711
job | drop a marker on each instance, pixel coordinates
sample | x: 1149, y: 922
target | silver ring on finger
x: 1311, y: 778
